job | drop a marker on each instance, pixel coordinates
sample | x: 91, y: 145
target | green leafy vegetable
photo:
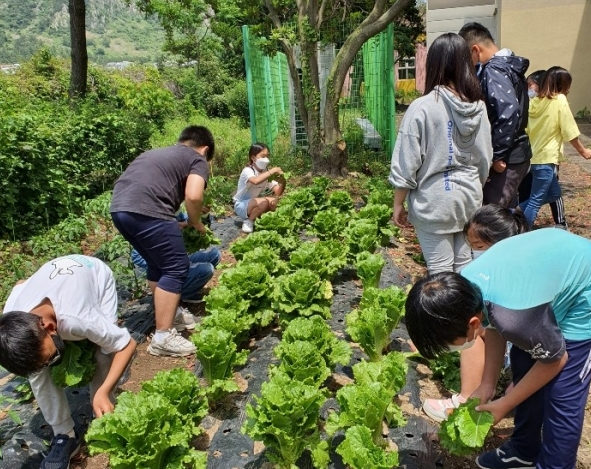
x: 265, y: 239
x: 380, y: 192
x: 315, y: 330
x: 371, y: 328
x: 329, y: 224
x: 301, y: 293
x: 361, y: 236
x: 381, y: 214
x: 465, y: 430
x: 360, y: 452
x: 195, y: 241
x: 77, y: 367
x: 369, y: 268
x: 302, y: 362
x: 148, y: 430
x: 285, y: 419
x: 303, y: 199
x: 250, y: 282
x: 341, y: 200
x: 446, y: 368
x: 269, y: 258
x: 323, y: 257
x: 391, y: 299
x: 218, y: 354
x: 285, y: 220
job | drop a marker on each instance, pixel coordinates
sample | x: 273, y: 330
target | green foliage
x: 304, y: 199
x: 360, y: 236
x: 371, y: 328
x: 380, y: 192
x: 285, y: 220
x: 329, y: 224
x: 369, y: 268
x: 148, y: 429
x: 218, y: 194
x: 303, y: 362
x: 465, y: 430
x: 269, y: 258
x: 217, y: 353
x: 195, y: 241
x: 447, y: 369
x: 341, y: 200
x: 315, y: 331
x: 270, y: 240
x: 323, y: 257
x: 392, y: 300
x: 301, y: 293
x: 285, y: 419
x: 359, y: 451
x: 381, y: 215
x: 77, y: 366
x: 6, y: 404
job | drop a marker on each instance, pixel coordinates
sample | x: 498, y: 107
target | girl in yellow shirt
x: 551, y: 123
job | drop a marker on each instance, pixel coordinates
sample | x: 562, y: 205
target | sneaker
x: 504, y: 457
x: 439, y: 409
x: 561, y: 226
x: 175, y: 345
x: 63, y: 448
x: 248, y: 226
x: 183, y: 320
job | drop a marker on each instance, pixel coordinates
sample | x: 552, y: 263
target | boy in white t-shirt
x: 69, y: 298
x: 254, y: 179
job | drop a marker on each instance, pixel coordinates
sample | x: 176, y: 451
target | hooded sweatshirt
x: 443, y: 153
x: 504, y: 88
x: 551, y: 123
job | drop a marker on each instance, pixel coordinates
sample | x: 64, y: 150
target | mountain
x: 115, y: 31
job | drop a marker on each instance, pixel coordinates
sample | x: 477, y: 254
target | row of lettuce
x: 280, y: 279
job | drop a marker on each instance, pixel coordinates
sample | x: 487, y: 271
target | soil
x: 403, y: 267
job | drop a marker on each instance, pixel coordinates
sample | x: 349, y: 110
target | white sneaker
x: 183, y: 320
x: 248, y: 226
x: 174, y: 345
x: 439, y: 409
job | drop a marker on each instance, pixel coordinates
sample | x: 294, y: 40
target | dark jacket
x: 504, y: 87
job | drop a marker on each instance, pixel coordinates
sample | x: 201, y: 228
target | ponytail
x: 493, y: 223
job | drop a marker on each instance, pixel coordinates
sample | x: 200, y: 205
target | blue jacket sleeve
x: 503, y: 109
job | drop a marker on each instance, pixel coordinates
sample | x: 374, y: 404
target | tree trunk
x: 78, y: 54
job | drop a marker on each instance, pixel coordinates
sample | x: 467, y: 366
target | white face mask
x: 464, y: 346
x: 476, y: 253
x: 531, y: 93
x: 262, y: 163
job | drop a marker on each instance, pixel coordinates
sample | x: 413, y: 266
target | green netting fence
x: 366, y: 107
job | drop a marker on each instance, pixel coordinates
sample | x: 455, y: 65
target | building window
x: 406, y: 69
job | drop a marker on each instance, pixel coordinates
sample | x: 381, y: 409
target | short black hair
x: 21, y: 335
x: 438, y: 311
x: 493, y: 223
x: 449, y: 63
x: 197, y: 136
x: 537, y: 77
x: 475, y: 33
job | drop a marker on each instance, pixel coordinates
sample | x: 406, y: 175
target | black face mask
x: 61, y: 348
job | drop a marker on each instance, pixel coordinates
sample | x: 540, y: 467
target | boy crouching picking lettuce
x: 69, y: 298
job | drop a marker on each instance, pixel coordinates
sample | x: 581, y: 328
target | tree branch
x: 321, y: 13
x: 273, y: 14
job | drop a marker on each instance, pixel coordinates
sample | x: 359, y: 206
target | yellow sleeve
x: 568, y: 126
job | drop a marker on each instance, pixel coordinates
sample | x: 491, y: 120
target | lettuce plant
x: 465, y: 430
x: 269, y: 258
x: 341, y: 200
x: 360, y: 452
x: 323, y: 257
x: 153, y: 429
x: 265, y: 239
x: 315, y: 331
x: 382, y: 215
x: 380, y: 193
x: 302, y: 361
x: 301, y: 293
x: 369, y: 268
x: 285, y: 419
x: 303, y: 199
x: 195, y: 241
x: 285, y: 220
x: 250, y: 282
x: 329, y: 223
x: 77, y: 367
x: 360, y: 236
x: 371, y: 329
x: 391, y: 299
x: 217, y: 353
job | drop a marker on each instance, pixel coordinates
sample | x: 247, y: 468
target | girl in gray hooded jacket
x: 442, y: 156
